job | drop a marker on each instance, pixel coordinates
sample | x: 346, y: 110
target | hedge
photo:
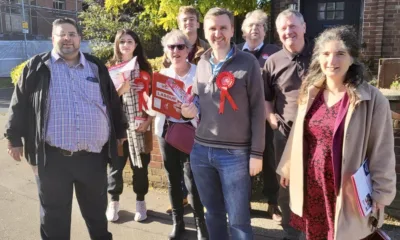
x: 156, y: 64
x: 16, y: 72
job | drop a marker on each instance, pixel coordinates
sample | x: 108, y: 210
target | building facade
x: 377, y: 23
x: 39, y: 15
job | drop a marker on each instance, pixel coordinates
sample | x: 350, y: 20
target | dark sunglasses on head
x: 178, y: 46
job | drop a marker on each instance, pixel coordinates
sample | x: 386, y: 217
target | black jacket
x: 28, y: 105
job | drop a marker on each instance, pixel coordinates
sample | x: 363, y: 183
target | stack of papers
x: 363, y: 189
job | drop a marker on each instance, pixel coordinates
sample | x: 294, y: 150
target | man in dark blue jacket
x: 254, y: 29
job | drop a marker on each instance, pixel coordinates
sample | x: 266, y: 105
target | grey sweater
x: 241, y: 129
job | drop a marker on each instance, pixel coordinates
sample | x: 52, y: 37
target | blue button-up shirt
x: 217, y: 66
x: 77, y: 117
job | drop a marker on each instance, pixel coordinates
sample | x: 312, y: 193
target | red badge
x: 143, y: 83
x: 225, y: 80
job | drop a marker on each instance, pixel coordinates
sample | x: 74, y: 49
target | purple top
x: 77, y: 118
x: 337, y: 144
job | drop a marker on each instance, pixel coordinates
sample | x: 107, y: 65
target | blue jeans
x: 223, y: 182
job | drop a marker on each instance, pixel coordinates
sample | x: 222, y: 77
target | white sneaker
x: 141, y: 211
x: 112, y: 211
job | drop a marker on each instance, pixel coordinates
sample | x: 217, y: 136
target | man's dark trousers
x: 87, y: 173
x: 270, y: 181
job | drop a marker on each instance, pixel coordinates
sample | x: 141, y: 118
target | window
x: 331, y: 11
x: 59, y: 4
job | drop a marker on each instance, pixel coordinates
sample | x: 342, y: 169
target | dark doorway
x: 322, y: 14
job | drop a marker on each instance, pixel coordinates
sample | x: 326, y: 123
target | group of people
x: 305, y: 112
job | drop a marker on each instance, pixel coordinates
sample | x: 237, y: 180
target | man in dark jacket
x: 66, y: 109
x: 283, y: 75
x: 254, y: 28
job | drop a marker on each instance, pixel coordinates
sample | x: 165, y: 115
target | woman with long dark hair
x: 342, y: 121
x: 137, y: 148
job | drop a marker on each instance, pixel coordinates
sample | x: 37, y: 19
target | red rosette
x: 145, y: 75
x: 144, y: 80
x: 225, y: 80
x: 189, y: 90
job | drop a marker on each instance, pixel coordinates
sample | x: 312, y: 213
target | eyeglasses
x: 70, y: 35
x: 257, y: 25
x: 178, y: 46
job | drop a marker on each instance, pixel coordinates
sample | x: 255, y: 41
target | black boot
x: 177, y: 230
x: 202, y: 233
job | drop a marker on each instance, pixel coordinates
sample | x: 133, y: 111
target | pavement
x: 19, y: 205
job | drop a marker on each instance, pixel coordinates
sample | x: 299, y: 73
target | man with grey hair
x: 75, y: 118
x: 254, y: 29
x: 229, y: 141
x: 283, y: 75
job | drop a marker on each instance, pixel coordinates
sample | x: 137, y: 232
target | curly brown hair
x: 356, y: 74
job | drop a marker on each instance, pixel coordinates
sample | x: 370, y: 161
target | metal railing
x: 12, y: 52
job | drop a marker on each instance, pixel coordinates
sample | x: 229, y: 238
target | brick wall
x: 381, y: 30
x: 71, y: 5
x: 391, y: 29
x: 157, y: 176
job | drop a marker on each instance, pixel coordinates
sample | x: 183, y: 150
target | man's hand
x: 273, y: 123
x: 189, y: 110
x: 270, y: 115
x: 15, y: 152
x: 255, y: 166
x: 284, y: 182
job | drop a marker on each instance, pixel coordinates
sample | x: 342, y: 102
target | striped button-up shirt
x: 77, y: 118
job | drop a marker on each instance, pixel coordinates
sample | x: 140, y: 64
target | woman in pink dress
x: 341, y: 121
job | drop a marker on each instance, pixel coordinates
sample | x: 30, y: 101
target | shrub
x: 102, y: 50
x: 395, y: 85
x: 16, y: 72
x: 374, y: 81
x: 156, y: 64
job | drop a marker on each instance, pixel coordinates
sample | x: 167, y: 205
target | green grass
x: 6, y: 83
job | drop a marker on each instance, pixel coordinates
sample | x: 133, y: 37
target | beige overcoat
x: 368, y: 133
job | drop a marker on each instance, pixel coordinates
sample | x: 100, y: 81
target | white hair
x: 175, y: 34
